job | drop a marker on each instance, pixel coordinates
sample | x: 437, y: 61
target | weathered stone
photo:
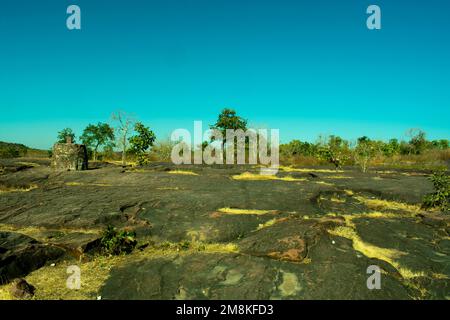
x: 68, y: 156
x: 21, y: 289
x: 20, y: 255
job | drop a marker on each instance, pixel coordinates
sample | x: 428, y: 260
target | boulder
x: 69, y: 156
x: 21, y: 289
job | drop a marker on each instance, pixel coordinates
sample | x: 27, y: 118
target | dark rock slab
x: 20, y: 255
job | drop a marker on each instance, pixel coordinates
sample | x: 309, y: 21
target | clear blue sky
x: 305, y: 67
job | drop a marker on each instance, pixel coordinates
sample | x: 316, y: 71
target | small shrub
x: 118, y: 242
x: 441, y: 196
x: 183, y: 245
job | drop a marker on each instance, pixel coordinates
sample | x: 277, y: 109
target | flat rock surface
x: 307, y: 233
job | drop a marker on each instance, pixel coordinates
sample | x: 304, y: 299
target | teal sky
x: 304, y: 67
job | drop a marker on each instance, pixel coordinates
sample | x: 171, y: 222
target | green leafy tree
x: 298, y: 148
x: 440, y: 198
x: 98, y: 135
x: 334, y: 150
x: 391, y: 148
x: 418, y: 141
x: 64, y: 134
x: 442, y: 144
x: 229, y: 120
x: 140, y: 143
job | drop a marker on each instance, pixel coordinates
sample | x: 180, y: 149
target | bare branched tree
x: 124, y: 123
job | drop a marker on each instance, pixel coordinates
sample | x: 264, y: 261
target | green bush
x: 441, y: 196
x: 118, y: 242
x: 12, y: 150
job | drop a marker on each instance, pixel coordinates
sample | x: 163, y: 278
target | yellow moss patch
x: 368, y: 250
x: 337, y: 200
x: 291, y: 169
x: 267, y: 224
x: 378, y: 204
x: 338, y: 177
x: 440, y: 276
x: 324, y: 183
x: 50, y: 282
x: 257, y: 177
x: 372, y: 251
x: 35, y: 232
x: 349, y: 192
x: 4, y: 293
x: 221, y: 248
x: 184, y: 172
x: 246, y: 211
x: 4, y: 189
x: 76, y: 184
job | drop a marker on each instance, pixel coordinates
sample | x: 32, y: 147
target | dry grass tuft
x: 5, y: 189
x: 262, y: 177
x: 183, y: 172
x: 228, y: 210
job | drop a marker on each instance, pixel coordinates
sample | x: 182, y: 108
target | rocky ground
x: 222, y: 232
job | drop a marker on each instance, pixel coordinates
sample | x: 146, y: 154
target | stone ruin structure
x: 69, y: 156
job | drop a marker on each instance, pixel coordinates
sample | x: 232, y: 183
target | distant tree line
x: 108, y: 137
x: 339, y: 151
x: 12, y: 150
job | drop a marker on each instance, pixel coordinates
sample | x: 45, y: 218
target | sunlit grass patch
x: 253, y: 176
x: 349, y: 192
x: 337, y: 200
x: 390, y: 256
x: 291, y: 169
x: 50, y: 282
x: 228, y: 210
x: 219, y: 247
x: 36, y: 231
x: 4, y: 293
x: 338, y: 177
x: 270, y: 223
x: 440, y: 276
x: 5, y: 189
x: 261, y: 177
x: 378, y: 204
x: 82, y: 184
x: 183, y: 172
x: 371, y: 251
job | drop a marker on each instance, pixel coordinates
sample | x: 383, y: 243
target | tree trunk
x: 124, y: 146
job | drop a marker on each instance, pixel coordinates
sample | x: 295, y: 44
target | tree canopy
x: 64, y: 134
x: 95, y: 136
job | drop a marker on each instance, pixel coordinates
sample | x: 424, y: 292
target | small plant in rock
x: 183, y: 245
x: 440, y: 198
x: 116, y: 242
x: 141, y: 143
